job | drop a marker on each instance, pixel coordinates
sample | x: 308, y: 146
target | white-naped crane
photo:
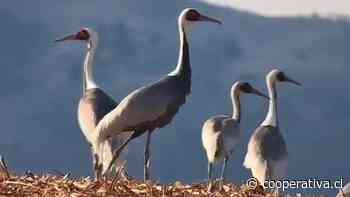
x: 154, y: 105
x: 222, y: 133
x: 94, y: 104
x: 267, y: 151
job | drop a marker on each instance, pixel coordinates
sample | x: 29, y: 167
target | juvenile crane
x: 94, y: 104
x: 267, y: 151
x: 154, y: 105
x: 220, y: 134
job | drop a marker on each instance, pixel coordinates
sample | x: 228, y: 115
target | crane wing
x: 271, y: 143
x: 93, y: 106
x: 146, y: 108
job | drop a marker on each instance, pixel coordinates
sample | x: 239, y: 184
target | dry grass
x: 53, y: 185
x: 62, y: 185
x: 49, y: 185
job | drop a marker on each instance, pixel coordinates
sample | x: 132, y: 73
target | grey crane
x: 221, y: 133
x: 267, y: 151
x: 94, y: 103
x: 154, y: 105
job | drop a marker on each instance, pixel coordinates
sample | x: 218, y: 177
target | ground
x: 50, y: 185
x: 62, y: 185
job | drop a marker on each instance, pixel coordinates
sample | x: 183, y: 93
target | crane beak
x: 69, y: 37
x: 287, y: 79
x: 209, y: 19
x: 257, y: 92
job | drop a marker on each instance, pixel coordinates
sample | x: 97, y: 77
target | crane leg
x: 94, y: 158
x: 117, y: 152
x: 223, y: 172
x: 210, y: 182
x: 97, y: 167
x: 94, y: 164
x: 147, y: 157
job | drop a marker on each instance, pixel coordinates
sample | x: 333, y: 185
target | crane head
x: 194, y: 15
x: 83, y: 35
x: 190, y: 15
x: 280, y: 76
x: 248, y: 89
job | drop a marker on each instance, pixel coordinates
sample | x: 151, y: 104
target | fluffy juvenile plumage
x: 221, y: 134
x: 267, y: 151
x: 267, y: 154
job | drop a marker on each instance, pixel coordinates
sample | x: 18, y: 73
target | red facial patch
x: 192, y: 15
x: 83, y: 35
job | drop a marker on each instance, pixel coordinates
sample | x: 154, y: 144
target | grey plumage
x: 94, y: 104
x: 150, y: 107
x: 221, y: 134
x: 162, y: 101
x: 154, y: 106
x: 270, y: 143
x: 267, y: 155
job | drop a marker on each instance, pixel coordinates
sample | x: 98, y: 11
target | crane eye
x: 246, y: 87
x: 192, y: 15
x: 83, y: 35
x: 280, y: 76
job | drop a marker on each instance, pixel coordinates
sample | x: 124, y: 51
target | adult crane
x: 94, y: 103
x: 222, y: 133
x: 154, y: 105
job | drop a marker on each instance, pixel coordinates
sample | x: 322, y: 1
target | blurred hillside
x: 41, y: 83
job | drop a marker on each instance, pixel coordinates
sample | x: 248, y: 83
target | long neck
x: 271, y: 117
x: 236, y: 104
x: 88, y: 78
x: 183, y: 68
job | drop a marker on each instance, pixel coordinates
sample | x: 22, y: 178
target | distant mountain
x: 41, y: 83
